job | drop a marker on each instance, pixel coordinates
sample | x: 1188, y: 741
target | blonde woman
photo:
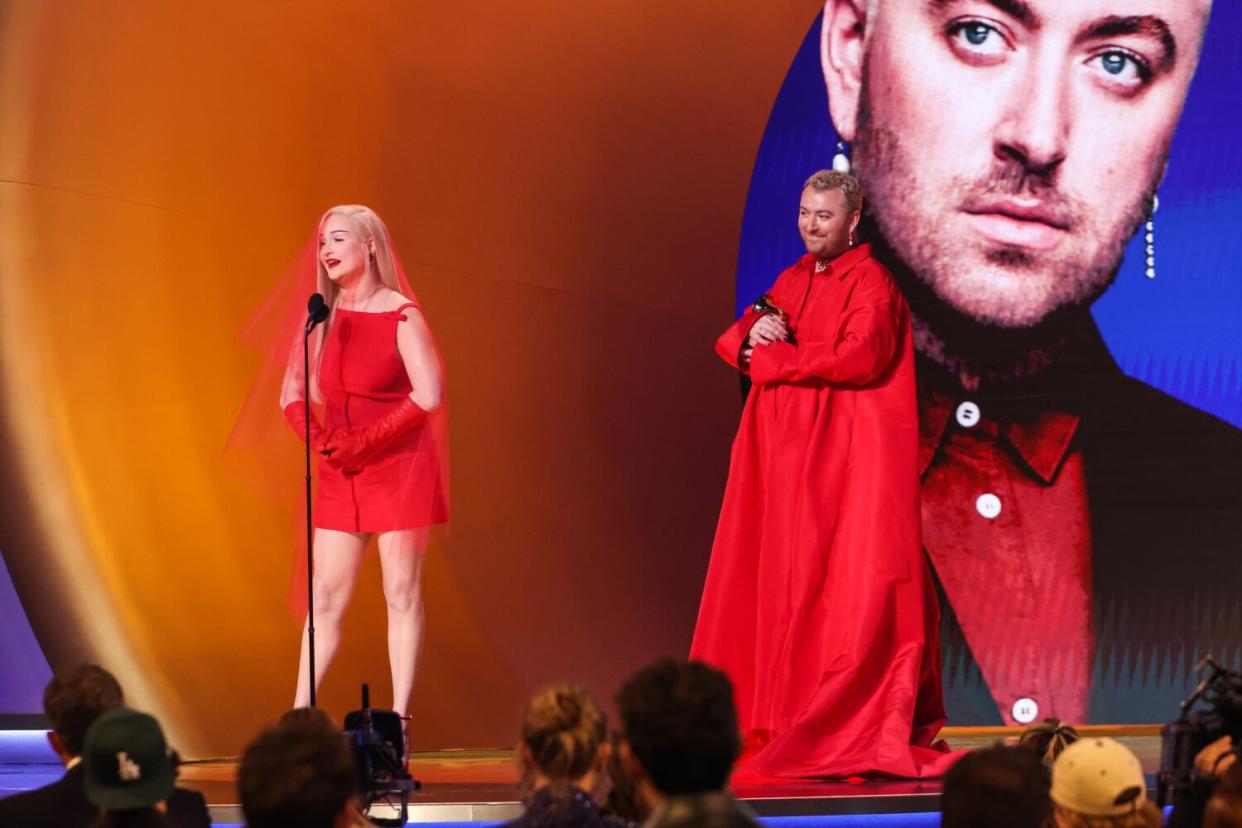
x: 378, y: 379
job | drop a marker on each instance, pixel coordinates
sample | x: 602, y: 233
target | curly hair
x: 299, y: 772
x: 1048, y: 738
x: 833, y: 180
x: 679, y: 720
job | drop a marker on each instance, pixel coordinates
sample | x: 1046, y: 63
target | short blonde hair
x: 832, y: 180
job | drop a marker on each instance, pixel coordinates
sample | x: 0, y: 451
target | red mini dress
x: 362, y: 377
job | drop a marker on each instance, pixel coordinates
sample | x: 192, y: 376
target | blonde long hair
x: 367, y: 224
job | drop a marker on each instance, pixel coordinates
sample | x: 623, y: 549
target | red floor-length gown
x: 818, y: 602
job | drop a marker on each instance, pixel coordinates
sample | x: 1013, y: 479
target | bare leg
x: 337, y: 556
x: 401, y: 561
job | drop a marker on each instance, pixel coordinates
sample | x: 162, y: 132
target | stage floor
x: 480, y: 785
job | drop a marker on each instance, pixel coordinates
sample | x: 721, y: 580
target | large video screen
x: 1080, y: 396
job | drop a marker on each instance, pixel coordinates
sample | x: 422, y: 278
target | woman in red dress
x: 378, y: 379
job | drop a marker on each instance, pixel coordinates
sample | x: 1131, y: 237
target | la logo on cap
x: 127, y: 768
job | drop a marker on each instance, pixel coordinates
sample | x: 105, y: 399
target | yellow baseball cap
x: 1098, y: 777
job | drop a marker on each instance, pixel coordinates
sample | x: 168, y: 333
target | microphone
x: 317, y: 311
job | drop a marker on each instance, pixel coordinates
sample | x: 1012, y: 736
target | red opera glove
x: 295, y: 413
x: 350, y: 449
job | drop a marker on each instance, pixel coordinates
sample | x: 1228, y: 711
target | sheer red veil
x: 261, y: 444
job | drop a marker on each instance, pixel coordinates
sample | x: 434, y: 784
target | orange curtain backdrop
x: 565, y: 182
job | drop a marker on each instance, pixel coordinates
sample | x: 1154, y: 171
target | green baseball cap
x: 126, y: 762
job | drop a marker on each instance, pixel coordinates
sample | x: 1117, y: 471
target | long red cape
x: 819, y: 603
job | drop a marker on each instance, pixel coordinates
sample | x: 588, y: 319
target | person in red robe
x: 819, y: 603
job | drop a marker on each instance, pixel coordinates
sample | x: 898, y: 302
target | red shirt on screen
x: 1006, y: 525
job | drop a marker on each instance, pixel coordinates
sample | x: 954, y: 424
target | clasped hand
x: 341, y: 448
x: 768, y: 329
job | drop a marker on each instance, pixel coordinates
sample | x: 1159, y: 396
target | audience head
x: 998, y: 785
x: 564, y: 735
x: 299, y: 772
x: 313, y: 715
x: 126, y: 763
x: 1099, y: 782
x: 74, y: 699
x: 623, y: 800
x: 1224, y: 809
x: 680, y: 726
x: 706, y: 810
x: 1048, y: 738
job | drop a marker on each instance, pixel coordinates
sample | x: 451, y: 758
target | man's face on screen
x: 1010, y: 148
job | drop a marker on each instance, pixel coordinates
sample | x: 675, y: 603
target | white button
x: 1025, y: 711
x: 967, y: 414
x: 988, y: 505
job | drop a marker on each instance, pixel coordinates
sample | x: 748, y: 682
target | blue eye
x: 1113, y: 63
x: 976, y: 33
x: 1122, y: 68
x: 977, y: 39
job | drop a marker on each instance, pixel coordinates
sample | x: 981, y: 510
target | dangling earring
x: 1150, y: 237
x: 852, y: 238
x: 841, y: 161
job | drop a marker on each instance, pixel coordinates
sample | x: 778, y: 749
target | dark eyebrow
x: 1146, y: 24
x: 1019, y: 10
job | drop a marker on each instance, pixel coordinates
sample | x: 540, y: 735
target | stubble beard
x: 979, y: 307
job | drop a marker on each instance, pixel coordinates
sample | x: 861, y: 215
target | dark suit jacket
x: 63, y: 804
x: 1164, y: 488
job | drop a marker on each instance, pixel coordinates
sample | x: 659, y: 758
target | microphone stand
x: 310, y: 537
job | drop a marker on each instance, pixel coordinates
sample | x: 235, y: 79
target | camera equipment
x: 1218, y: 713
x: 379, y: 754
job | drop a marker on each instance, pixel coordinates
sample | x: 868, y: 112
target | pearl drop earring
x: 841, y: 161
